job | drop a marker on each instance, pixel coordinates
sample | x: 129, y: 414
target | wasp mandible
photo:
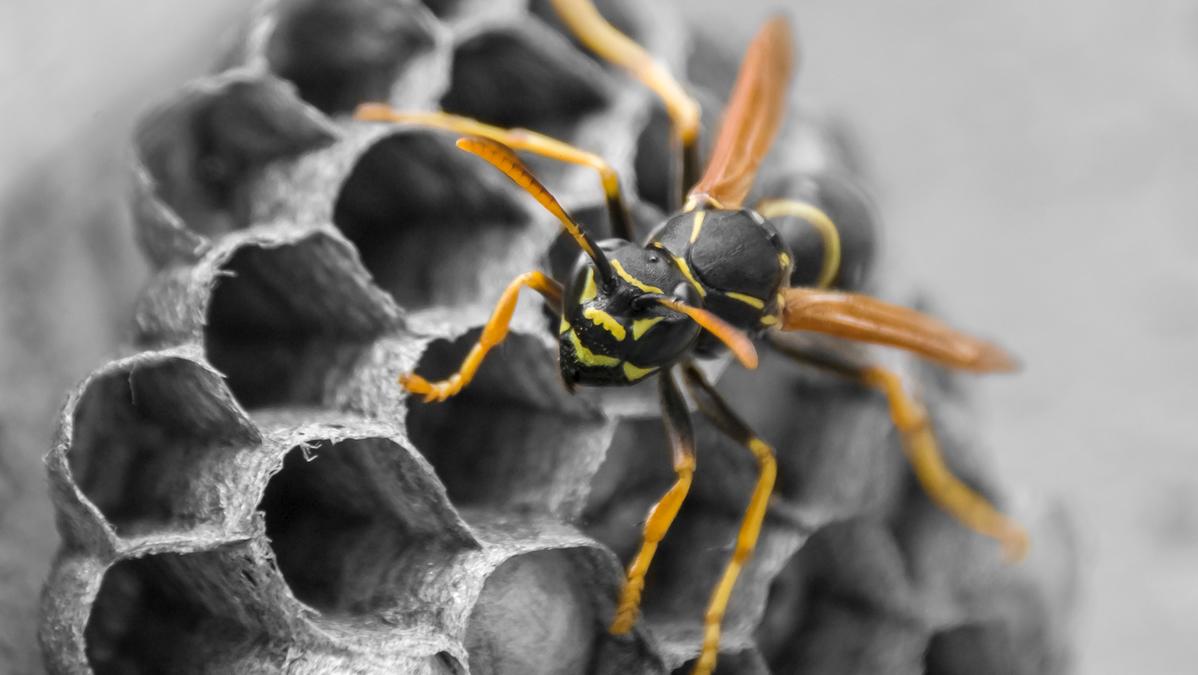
x: 713, y: 276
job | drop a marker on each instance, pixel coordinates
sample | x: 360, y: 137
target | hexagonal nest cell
x: 524, y: 77
x: 340, y: 54
x: 252, y: 491
x: 342, y: 517
x: 145, y: 619
x: 423, y: 239
x: 198, y: 146
x: 280, y: 319
x: 141, y: 434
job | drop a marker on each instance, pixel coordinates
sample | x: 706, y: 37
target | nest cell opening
x: 144, y: 620
x: 655, y: 174
x: 340, y: 54
x: 340, y: 530
x: 536, y: 615
x: 138, y: 436
x: 445, y: 9
x: 979, y: 648
x: 507, y: 78
x: 515, y: 439
x: 282, y: 318
x: 199, y: 147
x: 434, y: 225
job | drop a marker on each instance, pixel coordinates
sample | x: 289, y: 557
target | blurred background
x: 1036, y: 164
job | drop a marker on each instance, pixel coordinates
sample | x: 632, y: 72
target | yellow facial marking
x: 747, y: 299
x: 563, y: 326
x: 615, y: 265
x: 591, y: 358
x: 783, y: 260
x: 697, y: 225
x: 589, y: 292
x: 633, y: 373
x: 686, y: 272
x: 640, y: 326
x: 604, y: 320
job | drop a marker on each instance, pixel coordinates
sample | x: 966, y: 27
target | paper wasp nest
x: 248, y: 491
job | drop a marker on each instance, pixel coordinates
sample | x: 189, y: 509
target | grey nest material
x: 249, y: 491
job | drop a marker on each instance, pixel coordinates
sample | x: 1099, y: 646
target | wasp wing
x: 865, y: 319
x: 751, y: 119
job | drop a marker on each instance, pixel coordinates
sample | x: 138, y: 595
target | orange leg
x: 610, y: 44
x: 714, y: 407
x: 920, y: 447
x: 493, y: 333
x: 517, y: 139
x: 661, y: 516
x: 941, y: 486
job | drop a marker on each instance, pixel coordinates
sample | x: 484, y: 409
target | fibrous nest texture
x: 248, y: 490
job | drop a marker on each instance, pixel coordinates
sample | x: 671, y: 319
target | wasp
x: 712, y: 277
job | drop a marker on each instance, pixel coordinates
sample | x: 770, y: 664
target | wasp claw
x: 414, y: 384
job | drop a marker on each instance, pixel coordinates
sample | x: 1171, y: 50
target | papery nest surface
x: 248, y: 490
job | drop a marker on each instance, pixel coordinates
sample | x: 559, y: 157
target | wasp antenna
x: 504, y: 158
x: 737, y: 342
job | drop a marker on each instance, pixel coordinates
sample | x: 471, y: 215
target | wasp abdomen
x: 847, y: 204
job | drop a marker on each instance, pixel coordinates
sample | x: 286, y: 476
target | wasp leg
x: 493, y: 333
x: 682, y: 440
x: 814, y: 216
x: 581, y: 17
x: 518, y: 139
x: 718, y: 411
x: 923, y: 452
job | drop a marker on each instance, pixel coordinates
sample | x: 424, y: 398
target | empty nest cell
x: 344, y: 519
x: 515, y: 440
x: 656, y: 166
x: 655, y: 175
x: 282, y: 317
x: 844, y: 603
x: 425, y: 240
x: 978, y: 649
x: 444, y: 9
x: 145, y: 619
x: 340, y: 54
x: 199, y: 146
x: 524, y: 76
x: 139, y: 432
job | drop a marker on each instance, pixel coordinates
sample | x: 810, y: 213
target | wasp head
x: 612, y: 330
